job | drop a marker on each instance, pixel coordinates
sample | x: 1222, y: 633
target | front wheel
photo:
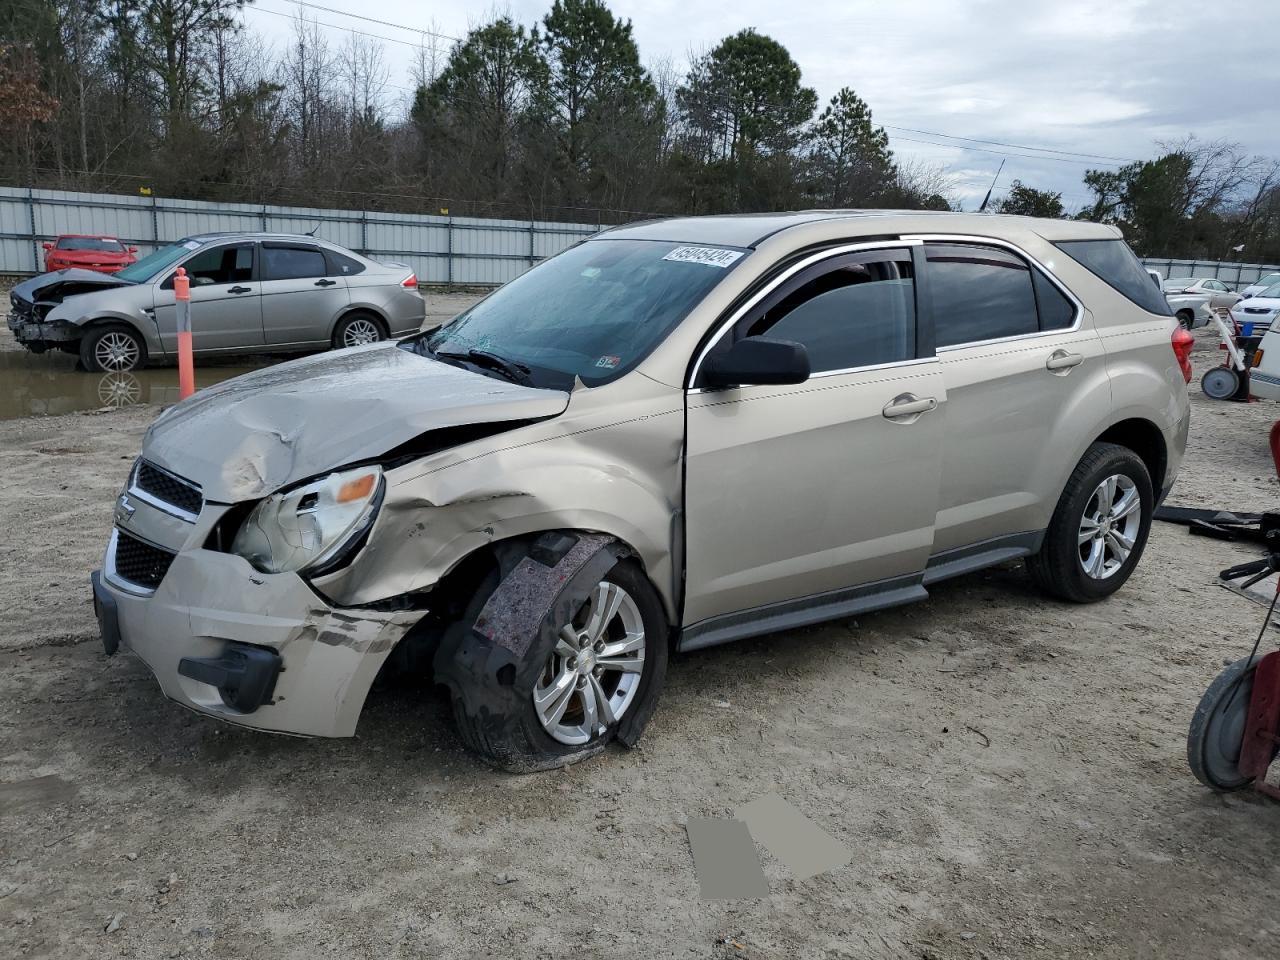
x: 1099, y: 528
x: 112, y: 348
x: 594, y: 671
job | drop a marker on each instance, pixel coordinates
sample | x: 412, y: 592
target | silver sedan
x: 1189, y: 298
x: 250, y: 293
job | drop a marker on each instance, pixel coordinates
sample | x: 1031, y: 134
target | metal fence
x: 441, y: 249
x: 1235, y: 275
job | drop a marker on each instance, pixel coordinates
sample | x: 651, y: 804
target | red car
x: 103, y: 254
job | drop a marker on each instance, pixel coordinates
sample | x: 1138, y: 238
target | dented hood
x: 64, y: 283
x: 252, y: 435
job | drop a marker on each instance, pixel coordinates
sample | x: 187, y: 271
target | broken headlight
x: 311, y: 526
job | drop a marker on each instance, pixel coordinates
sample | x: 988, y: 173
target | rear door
x: 818, y: 488
x: 1025, y: 373
x: 302, y: 294
x: 226, y: 311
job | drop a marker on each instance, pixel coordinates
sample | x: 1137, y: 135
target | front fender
x: 622, y: 480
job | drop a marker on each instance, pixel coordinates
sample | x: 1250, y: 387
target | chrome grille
x: 166, y: 488
x: 139, y: 562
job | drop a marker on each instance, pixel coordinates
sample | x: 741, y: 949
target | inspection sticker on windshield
x: 711, y: 256
x: 608, y: 362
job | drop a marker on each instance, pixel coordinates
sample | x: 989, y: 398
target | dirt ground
x: 1009, y: 771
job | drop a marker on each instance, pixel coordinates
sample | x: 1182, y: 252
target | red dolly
x: 1235, y: 733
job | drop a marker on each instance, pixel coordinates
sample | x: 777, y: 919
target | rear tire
x: 1098, y: 531
x: 112, y: 348
x: 1186, y: 318
x: 358, y: 329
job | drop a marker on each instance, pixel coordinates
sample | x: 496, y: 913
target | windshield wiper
x: 513, y: 370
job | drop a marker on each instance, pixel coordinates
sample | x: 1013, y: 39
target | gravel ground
x: 1009, y: 771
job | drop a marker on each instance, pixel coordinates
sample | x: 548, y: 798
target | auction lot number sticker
x: 710, y: 256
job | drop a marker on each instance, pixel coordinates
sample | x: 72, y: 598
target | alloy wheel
x: 359, y: 332
x: 594, y: 672
x: 1109, y: 527
x: 116, y: 351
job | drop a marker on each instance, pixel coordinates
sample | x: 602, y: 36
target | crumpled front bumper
x: 210, y: 605
x: 28, y: 331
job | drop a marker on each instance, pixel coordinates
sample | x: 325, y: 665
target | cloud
x: 1108, y: 77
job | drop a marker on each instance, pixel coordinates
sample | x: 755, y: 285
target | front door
x: 225, y: 308
x: 828, y: 485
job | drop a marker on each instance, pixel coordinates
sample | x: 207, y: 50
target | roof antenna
x: 987, y: 198
x: 319, y: 223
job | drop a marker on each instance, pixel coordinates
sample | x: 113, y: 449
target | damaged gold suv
x: 672, y: 435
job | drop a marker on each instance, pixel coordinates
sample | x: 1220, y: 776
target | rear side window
x: 1056, y: 311
x: 979, y: 293
x: 856, y: 314
x: 1114, y: 263
x: 340, y: 265
x: 292, y: 263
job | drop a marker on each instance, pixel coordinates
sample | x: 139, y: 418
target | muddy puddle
x: 48, y: 384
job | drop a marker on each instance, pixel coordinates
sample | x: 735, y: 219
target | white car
x: 1258, y: 310
x: 1262, y: 283
x: 1189, y: 298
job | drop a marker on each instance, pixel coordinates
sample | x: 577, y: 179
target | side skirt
x: 850, y: 601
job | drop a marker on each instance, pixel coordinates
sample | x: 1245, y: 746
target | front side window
x: 292, y: 263
x: 218, y: 266
x: 979, y: 293
x: 1112, y: 262
x: 858, y: 313
x: 594, y: 311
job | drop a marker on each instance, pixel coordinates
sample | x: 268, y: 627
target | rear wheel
x: 1099, y: 528
x: 358, y: 329
x: 112, y: 348
x: 1186, y: 318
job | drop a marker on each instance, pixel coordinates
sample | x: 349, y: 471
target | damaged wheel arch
x: 491, y: 658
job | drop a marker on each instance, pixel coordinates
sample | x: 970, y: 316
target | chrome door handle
x: 1060, y: 361
x: 908, y: 405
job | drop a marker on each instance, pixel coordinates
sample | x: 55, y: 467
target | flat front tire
x: 601, y: 669
x: 1099, y: 527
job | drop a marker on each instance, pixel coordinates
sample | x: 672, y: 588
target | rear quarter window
x: 1112, y: 262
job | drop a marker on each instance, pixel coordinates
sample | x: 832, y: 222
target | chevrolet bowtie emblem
x: 124, y: 509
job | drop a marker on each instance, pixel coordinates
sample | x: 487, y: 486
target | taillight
x: 410, y: 282
x: 1182, y: 342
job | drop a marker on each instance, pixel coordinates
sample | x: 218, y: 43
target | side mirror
x: 47, y: 246
x: 133, y: 250
x: 757, y: 360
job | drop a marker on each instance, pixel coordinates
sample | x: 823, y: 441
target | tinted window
x: 1114, y: 263
x: 292, y: 263
x: 220, y: 265
x: 340, y: 265
x: 855, y: 315
x: 979, y: 293
x: 1056, y: 311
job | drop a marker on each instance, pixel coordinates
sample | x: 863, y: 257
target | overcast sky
x: 1100, y: 77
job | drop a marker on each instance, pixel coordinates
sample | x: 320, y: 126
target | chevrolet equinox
x: 674, y: 434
